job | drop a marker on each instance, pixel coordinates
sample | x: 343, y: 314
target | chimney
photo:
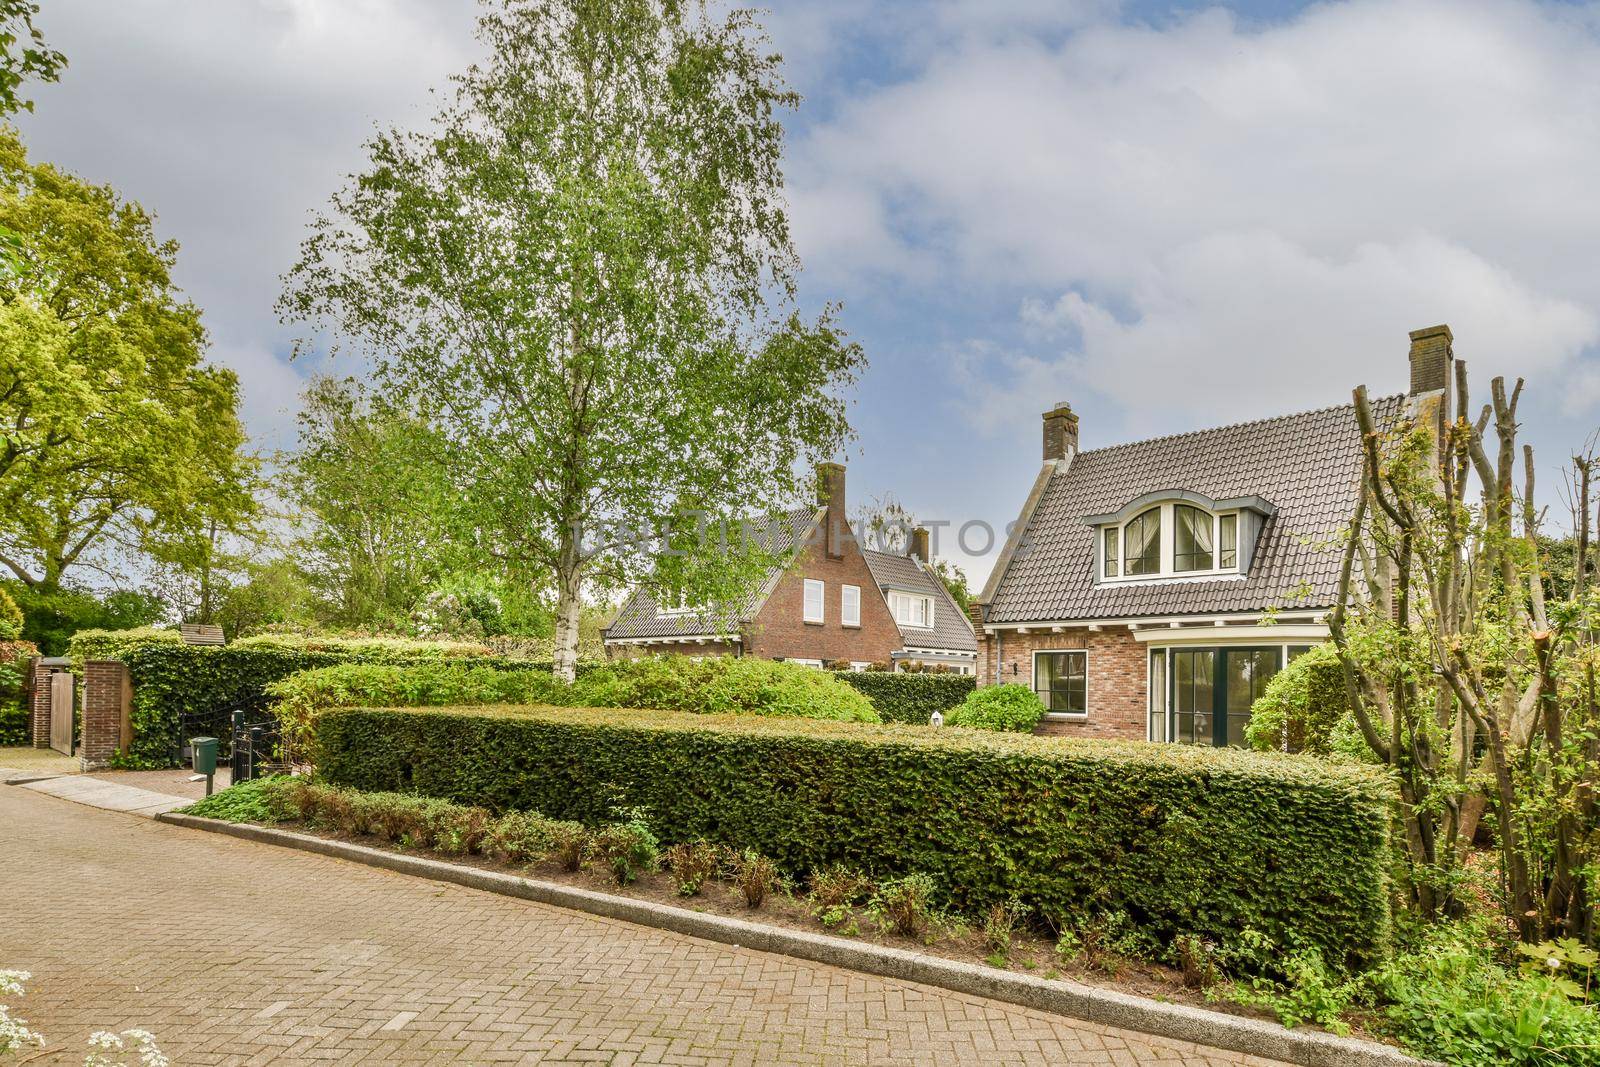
x: 1431, y: 360
x: 830, y: 494
x: 919, y: 544
x: 1060, y: 433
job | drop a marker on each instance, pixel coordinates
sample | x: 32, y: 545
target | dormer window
x: 1177, y: 535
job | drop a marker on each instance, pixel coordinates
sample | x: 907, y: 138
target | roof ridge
x: 1233, y: 425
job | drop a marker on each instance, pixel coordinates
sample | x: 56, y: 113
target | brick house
x: 832, y: 600
x: 1150, y: 590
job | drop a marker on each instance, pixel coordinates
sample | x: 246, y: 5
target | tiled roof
x: 951, y: 630
x: 1306, y: 465
x: 640, y: 616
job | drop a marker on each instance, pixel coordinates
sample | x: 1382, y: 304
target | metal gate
x: 62, y: 691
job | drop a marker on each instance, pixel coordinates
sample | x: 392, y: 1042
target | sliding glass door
x: 1209, y: 692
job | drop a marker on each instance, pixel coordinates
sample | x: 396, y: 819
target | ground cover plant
x: 1059, y: 826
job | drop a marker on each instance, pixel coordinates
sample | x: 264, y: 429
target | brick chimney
x: 919, y: 544
x: 1431, y: 360
x: 1060, y: 433
x: 830, y: 494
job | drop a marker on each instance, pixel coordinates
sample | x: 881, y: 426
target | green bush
x: 15, y: 723
x: 1013, y: 708
x: 52, y: 618
x: 10, y: 618
x: 303, y: 698
x: 913, y: 698
x: 246, y: 802
x: 1302, y: 706
x: 1183, y: 840
x: 207, y: 683
x: 721, y: 684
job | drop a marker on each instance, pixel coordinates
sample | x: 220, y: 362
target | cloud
x: 1227, y: 220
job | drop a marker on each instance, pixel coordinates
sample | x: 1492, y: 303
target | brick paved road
x: 234, y: 952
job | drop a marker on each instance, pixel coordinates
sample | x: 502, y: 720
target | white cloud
x: 1241, y: 220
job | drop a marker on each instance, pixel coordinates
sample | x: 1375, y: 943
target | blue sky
x: 1170, y: 214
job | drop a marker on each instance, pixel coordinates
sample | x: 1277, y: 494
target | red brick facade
x: 779, y: 630
x: 1117, y: 668
x: 39, y: 705
x: 107, y: 697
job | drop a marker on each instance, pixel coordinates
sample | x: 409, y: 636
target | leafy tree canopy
x: 24, y: 56
x: 115, y: 431
x: 582, y: 275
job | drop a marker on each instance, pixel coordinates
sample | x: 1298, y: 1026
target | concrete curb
x: 1060, y: 997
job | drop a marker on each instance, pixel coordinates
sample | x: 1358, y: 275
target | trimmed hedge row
x: 1182, y: 840
x: 901, y: 697
x: 206, y: 683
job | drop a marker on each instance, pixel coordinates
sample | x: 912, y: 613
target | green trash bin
x: 205, y: 755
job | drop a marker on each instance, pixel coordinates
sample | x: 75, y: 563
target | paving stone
x: 241, y: 953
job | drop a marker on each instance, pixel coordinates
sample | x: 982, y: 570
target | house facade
x: 1150, y: 590
x: 831, y: 601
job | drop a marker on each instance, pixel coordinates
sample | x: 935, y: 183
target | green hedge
x: 910, y: 698
x: 15, y: 720
x: 208, y: 682
x: 1181, y: 839
x: 741, y: 685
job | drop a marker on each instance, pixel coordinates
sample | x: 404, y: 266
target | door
x: 1213, y: 690
x: 61, y: 694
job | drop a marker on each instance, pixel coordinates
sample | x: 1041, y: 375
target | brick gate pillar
x: 107, y: 727
x: 39, y: 703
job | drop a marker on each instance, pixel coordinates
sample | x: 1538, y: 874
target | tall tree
x: 583, y: 274
x: 115, y: 432
x: 24, y: 56
x: 370, y: 487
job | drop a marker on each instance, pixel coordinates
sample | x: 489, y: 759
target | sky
x: 1170, y: 214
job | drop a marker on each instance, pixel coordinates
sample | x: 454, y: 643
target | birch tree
x: 582, y: 274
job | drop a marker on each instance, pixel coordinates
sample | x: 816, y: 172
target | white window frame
x: 898, y: 597
x: 1065, y: 716
x: 1168, y: 546
x: 817, y: 663
x: 850, y: 605
x: 821, y: 588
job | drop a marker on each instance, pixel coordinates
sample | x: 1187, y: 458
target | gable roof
x: 1306, y: 465
x: 641, y: 617
x: 950, y: 629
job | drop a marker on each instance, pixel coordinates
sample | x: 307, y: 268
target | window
x: 1191, y: 551
x: 850, y: 605
x: 1061, y: 680
x: 1141, y: 540
x: 814, y: 601
x: 1212, y: 692
x: 817, y: 663
x: 911, y: 609
x: 1173, y: 539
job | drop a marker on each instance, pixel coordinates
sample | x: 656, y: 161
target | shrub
x: 459, y: 829
x: 15, y: 723
x: 245, y: 802
x: 628, y: 848
x: 304, y: 697
x: 904, y: 905
x: 1000, y: 924
x: 755, y: 876
x: 1181, y: 839
x: 721, y: 684
x: 519, y: 837
x: 692, y: 864
x: 569, y: 841
x: 208, y: 683
x: 10, y: 618
x: 912, y: 698
x: 1301, y: 706
x: 1014, y: 708
x: 837, y: 887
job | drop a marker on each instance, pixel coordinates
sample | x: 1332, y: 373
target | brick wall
x: 780, y: 630
x: 105, y: 700
x: 39, y: 706
x: 1117, y: 677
